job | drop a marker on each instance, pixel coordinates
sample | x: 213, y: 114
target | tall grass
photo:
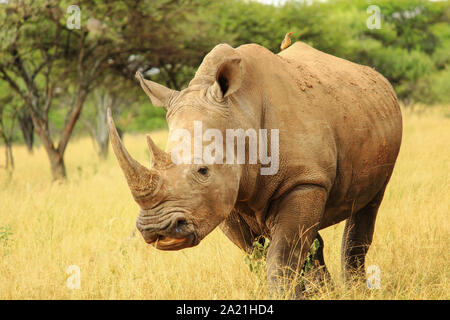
x: 87, y: 220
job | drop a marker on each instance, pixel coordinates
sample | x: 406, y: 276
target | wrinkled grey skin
x: 340, y: 131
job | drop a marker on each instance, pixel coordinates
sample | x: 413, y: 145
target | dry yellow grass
x: 86, y: 222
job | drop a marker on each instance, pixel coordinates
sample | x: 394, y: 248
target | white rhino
x: 340, y: 130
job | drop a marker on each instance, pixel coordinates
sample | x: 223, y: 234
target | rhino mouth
x: 172, y: 231
x: 170, y: 243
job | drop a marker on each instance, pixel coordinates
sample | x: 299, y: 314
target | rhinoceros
x: 339, y: 130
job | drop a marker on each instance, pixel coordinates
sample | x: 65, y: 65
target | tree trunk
x: 55, y: 157
x: 9, y: 165
x: 57, y: 165
x: 102, y: 131
x: 103, y: 148
x: 27, y: 128
x: 56, y: 154
x: 9, y: 156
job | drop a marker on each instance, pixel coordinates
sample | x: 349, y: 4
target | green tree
x: 53, y: 68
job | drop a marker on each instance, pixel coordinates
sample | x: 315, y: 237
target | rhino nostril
x: 180, y: 223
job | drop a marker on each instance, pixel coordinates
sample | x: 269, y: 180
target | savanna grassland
x: 86, y: 221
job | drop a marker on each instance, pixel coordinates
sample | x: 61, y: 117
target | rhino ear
x: 228, y: 78
x: 158, y: 94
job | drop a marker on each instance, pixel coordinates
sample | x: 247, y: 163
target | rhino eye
x: 203, y: 171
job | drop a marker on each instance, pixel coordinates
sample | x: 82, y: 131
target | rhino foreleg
x: 293, y: 228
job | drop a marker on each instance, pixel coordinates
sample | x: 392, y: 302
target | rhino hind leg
x: 357, y: 238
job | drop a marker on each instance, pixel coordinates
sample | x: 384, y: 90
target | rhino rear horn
x: 142, y: 181
x: 158, y: 94
x: 159, y: 158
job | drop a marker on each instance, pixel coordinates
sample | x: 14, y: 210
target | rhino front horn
x: 142, y: 181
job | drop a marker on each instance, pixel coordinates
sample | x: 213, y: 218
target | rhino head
x: 180, y: 203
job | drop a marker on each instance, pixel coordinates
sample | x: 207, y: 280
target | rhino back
x: 340, y: 123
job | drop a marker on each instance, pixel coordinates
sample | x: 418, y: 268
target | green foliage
x: 434, y: 88
x: 145, y: 117
x: 412, y: 43
x: 256, y: 261
x: 5, y: 233
x: 309, y: 261
x: 5, y: 238
x: 411, y: 49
